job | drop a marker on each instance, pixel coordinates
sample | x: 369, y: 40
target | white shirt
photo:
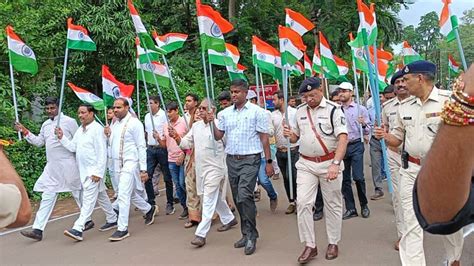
x: 90, y: 146
x: 61, y: 173
x: 277, y: 120
x: 159, y: 120
x: 210, y: 167
x: 134, y: 147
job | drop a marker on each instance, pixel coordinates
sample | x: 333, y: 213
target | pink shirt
x: 173, y: 149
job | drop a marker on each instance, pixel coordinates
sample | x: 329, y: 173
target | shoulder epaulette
x: 333, y: 103
x: 301, y: 105
x: 445, y: 93
x: 389, y: 102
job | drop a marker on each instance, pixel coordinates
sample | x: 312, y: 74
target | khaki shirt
x: 421, y: 122
x: 309, y: 145
x: 389, y: 116
x: 10, y: 201
x: 278, y: 119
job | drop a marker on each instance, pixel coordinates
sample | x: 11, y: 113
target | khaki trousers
x: 411, y: 244
x: 310, y: 174
x: 193, y: 201
x: 395, y: 163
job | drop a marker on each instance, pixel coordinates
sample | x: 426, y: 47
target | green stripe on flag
x: 81, y: 45
x: 23, y: 63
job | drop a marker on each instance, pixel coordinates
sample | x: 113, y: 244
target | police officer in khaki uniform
x: 321, y: 129
x: 389, y: 116
x: 417, y: 122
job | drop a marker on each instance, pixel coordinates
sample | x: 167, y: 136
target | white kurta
x: 61, y: 173
x: 134, y: 147
x: 210, y: 169
x: 91, y: 153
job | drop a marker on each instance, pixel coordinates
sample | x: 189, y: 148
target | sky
x: 412, y: 15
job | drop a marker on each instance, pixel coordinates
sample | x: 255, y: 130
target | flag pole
x: 175, y: 90
x: 376, y: 100
x: 15, y: 106
x: 98, y: 120
x: 288, y: 146
x: 257, y: 83
x: 105, y: 111
x: 211, y: 78
x: 357, y: 95
x: 449, y: 75
x: 203, y: 56
x: 138, y: 96
x: 263, y: 91
x: 61, y: 95
x: 461, y: 51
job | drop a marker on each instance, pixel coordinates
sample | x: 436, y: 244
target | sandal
x: 190, y: 224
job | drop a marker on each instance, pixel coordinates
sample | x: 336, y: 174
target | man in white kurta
x: 128, y: 151
x: 211, y: 172
x: 60, y: 173
x: 89, y: 144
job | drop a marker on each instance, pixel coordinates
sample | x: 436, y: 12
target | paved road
x: 364, y: 241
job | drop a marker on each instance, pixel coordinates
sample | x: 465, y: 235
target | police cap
x: 309, y: 84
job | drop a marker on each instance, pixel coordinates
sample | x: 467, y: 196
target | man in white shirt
x: 210, y: 174
x: 157, y: 155
x: 127, y: 141
x: 90, y: 146
x: 60, y: 173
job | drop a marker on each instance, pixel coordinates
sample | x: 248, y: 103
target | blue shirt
x: 241, y: 129
x: 352, y: 120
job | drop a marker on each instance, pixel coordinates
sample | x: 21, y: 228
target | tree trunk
x: 231, y: 9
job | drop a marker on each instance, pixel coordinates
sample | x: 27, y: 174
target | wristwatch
x: 336, y: 162
x: 269, y: 161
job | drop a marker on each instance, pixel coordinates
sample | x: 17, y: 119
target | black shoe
x: 89, y: 225
x: 241, y: 243
x: 198, y: 241
x: 184, y: 215
x: 108, y: 226
x: 365, y: 211
x: 227, y: 226
x: 119, y: 235
x: 170, y: 209
x: 74, y: 234
x: 349, y: 214
x: 35, y: 234
x: 150, y: 215
x: 116, y: 212
x: 250, y: 246
x: 317, y: 216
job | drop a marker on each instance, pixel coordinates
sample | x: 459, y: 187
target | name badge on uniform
x: 407, y: 118
x: 303, y: 118
x: 428, y: 115
x: 393, y: 113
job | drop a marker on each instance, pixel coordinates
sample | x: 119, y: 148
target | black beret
x: 421, y: 66
x: 396, y: 76
x: 309, y: 84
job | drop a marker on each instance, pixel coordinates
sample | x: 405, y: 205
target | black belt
x: 354, y: 141
x: 154, y: 146
x: 242, y: 157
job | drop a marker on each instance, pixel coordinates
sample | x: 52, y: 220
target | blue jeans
x: 177, y: 173
x: 264, y: 180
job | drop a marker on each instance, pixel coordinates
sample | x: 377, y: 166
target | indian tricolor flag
x: 297, y: 22
x: 212, y: 26
x: 453, y: 66
x: 367, y: 22
x: 142, y: 55
x: 297, y: 69
x: 236, y: 72
x: 308, y: 68
x: 145, y: 38
x: 264, y: 56
x: 78, y: 38
x: 447, y: 22
x: 291, y: 46
x: 342, y: 66
x: 170, y: 42
x: 87, y: 97
x: 382, y: 69
x: 409, y: 54
x: 112, y: 88
x: 382, y: 55
x: 328, y: 60
x: 358, y: 57
x: 156, y: 69
x: 317, y: 67
x: 230, y: 57
x: 21, y: 56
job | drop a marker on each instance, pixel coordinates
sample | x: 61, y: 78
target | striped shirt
x: 241, y: 129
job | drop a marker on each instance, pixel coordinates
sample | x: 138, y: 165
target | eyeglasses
x: 202, y: 108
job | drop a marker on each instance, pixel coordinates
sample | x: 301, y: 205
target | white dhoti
x: 411, y: 244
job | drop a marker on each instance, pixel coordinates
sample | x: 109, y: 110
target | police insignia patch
x: 406, y: 69
x: 308, y: 87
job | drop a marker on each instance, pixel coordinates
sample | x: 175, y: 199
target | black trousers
x: 155, y: 156
x: 243, y: 179
x: 282, y: 160
x: 354, y: 169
